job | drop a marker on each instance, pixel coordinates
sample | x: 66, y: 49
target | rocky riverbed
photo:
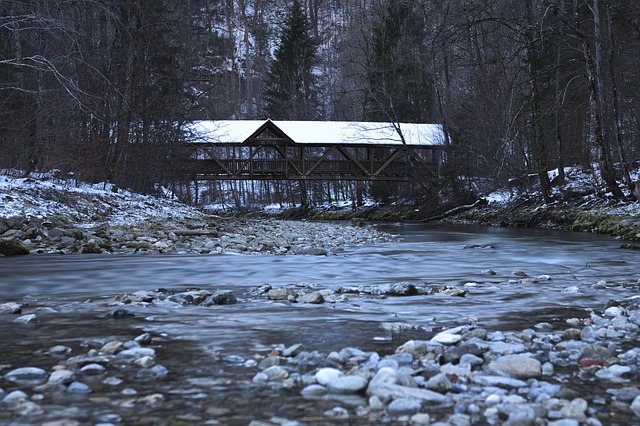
x: 204, y: 235
x: 580, y: 371
x: 51, y: 216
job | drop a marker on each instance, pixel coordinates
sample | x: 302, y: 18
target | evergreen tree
x: 290, y: 92
x: 400, y: 87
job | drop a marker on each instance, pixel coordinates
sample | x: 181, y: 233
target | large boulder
x: 12, y: 247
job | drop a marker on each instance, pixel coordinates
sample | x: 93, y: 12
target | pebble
x: 517, y: 366
x: 78, y: 388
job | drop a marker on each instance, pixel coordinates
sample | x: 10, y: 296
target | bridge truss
x: 271, y: 154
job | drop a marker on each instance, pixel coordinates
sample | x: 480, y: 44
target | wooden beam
x: 392, y: 157
x: 348, y: 155
x: 289, y: 162
x: 320, y: 161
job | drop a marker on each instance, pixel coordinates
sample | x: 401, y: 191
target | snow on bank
x: 45, y: 196
x: 577, y: 184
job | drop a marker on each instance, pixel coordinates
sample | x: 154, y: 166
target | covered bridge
x: 310, y: 150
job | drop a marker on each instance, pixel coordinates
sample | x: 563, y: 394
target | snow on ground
x: 42, y: 195
x: 578, y: 182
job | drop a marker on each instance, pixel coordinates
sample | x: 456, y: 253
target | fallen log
x: 456, y: 210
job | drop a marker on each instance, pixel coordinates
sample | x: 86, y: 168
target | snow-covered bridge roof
x: 318, y: 132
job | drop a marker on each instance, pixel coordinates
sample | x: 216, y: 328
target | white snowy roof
x: 319, y: 132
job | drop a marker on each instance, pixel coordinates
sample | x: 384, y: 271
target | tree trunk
x: 596, y: 107
x: 538, y: 146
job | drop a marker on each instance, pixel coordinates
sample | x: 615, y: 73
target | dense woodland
x: 101, y: 88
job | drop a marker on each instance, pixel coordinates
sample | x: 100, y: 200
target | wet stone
x: 314, y: 390
x: 347, y: 384
x: 27, y: 375
x: 10, y: 308
x: 130, y: 355
x: 404, y: 406
x: 78, y: 388
x: 62, y: 376
x: 93, y: 370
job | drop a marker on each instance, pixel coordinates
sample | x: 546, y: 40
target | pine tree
x: 290, y: 92
x: 400, y: 87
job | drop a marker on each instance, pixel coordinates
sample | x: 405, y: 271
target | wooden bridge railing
x: 273, y: 162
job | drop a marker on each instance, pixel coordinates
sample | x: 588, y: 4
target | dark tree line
x: 101, y: 87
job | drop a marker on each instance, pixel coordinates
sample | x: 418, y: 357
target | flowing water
x: 199, y: 345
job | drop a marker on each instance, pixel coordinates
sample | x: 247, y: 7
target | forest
x: 101, y: 89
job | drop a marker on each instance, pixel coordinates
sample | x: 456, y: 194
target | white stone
x: 24, y: 319
x: 384, y: 386
x: 575, y: 409
x: 327, y: 375
x: 61, y: 376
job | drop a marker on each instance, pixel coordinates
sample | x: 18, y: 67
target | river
x: 197, y: 343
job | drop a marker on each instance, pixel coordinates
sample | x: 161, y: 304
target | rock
x: 384, y: 386
x: 27, y: 376
x: 635, y: 406
x: 503, y: 348
x: 516, y: 366
x: 12, y: 247
x: 439, y: 383
x: 130, y: 355
x: 25, y: 319
x: 448, y: 337
x: 499, y: 381
x: 120, y: 314
x: 275, y: 373
x: 292, y: 350
x: 324, y: 376
x: 455, y: 353
x: 78, y: 388
x: 144, y: 339
x: 15, y: 397
x: 420, y: 419
x: 402, y: 289
x: 92, y: 370
x: 62, y: 377
x: 613, y: 372
x: 110, y: 348
x: 471, y: 360
x: 282, y: 293
x: 575, y: 409
x: 404, y: 406
x: 156, y: 372
x: 314, y: 390
x: 314, y: 298
x: 59, y: 350
x: 596, y: 352
x: 10, y: 308
x: 347, y: 384
x: 627, y: 394
x: 221, y: 297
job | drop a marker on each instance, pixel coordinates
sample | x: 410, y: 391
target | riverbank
x: 46, y: 215
x: 578, y: 206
